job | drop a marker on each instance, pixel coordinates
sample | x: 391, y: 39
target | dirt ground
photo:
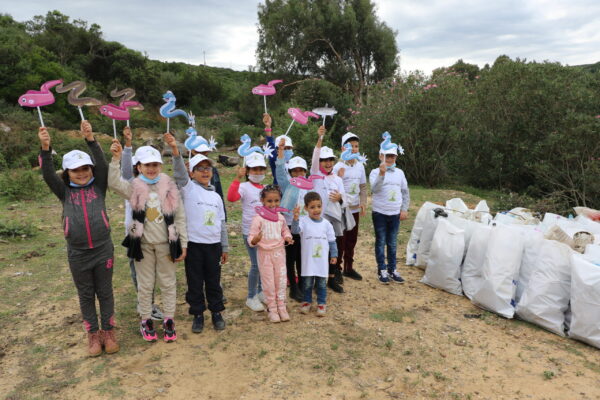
x: 377, y: 342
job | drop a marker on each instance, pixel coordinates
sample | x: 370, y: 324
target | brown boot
x: 109, y: 340
x: 94, y: 344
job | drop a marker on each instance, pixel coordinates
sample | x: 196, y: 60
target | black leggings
x: 293, y: 258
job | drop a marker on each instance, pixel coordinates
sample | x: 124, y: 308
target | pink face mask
x: 324, y: 172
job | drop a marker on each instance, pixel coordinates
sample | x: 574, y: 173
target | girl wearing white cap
x: 332, y: 192
x: 249, y: 193
x: 288, y: 152
x: 82, y: 191
x: 285, y: 170
x: 157, y: 236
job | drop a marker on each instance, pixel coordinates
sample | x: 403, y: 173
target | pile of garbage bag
x: 542, y: 270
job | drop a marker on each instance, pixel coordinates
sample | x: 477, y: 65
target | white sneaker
x: 261, y: 297
x: 254, y: 304
x: 321, y: 310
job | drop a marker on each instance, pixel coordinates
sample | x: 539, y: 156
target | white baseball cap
x: 202, y: 148
x: 326, y: 152
x: 75, y: 159
x: 393, y: 151
x: 348, y: 136
x: 297, y: 162
x: 197, y: 159
x: 147, y: 154
x: 255, y: 160
x: 288, y: 141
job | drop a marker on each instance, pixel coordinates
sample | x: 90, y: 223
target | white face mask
x: 256, y: 178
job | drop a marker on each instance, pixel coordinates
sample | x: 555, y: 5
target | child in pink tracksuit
x: 270, y: 237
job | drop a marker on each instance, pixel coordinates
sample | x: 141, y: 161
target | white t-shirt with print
x: 250, y: 200
x: 314, y: 244
x: 387, y: 199
x: 354, y: 176
x: 205, y: 213
x: 330, y: 184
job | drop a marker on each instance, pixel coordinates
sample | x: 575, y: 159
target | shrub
x: 22, y: 184
x: 12, y: 229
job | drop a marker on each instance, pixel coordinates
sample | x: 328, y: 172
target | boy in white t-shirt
x: 207, y: 234
x: 390, y: 202
x: 354, y: 177
x: 318, y: 248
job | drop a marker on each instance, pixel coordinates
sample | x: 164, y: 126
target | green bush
x: 13, y: 229
x: 22, y: 184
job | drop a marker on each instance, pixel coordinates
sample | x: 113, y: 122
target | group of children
x: 183, y: 218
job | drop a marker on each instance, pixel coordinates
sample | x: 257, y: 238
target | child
x: 318, y: 241
x: 249, y: 193
x: 82, y: 191
x: 128, y: 173
x: 215, y: 181
x: 207, y: 236
x: 157, y: 236
x: 390, y: 206
x: 269, y: 237
x: 286, y: 169
x: 273, y: 143
x: 355, y: 183
x: 331, y: 190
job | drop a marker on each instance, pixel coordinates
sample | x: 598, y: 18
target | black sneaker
x: 198, y: 323
x: 218, y: 322
x: 339, y: 278
x: 395, y: 276
x: 352, y: 274
x: 333, y: 285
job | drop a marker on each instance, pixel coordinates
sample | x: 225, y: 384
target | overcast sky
x: 430, y: 33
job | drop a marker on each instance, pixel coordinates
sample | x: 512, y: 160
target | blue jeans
x: 309, y: 283
x: 386, y: 233
x: 254, y: 286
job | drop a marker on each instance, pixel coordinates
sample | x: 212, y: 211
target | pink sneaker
x: 169, y: 328
x: 274, y: 316
x: 147, y: 330
x: 283, y: 314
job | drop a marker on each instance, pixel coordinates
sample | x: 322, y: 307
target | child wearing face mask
x: 268, y: 233
x: 332, y: 192
x: 157, y: 236
x: 249, y: 194
x: 288, y: 151
x: 82, y: 190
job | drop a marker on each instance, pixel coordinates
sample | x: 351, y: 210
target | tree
x: 341, y: 41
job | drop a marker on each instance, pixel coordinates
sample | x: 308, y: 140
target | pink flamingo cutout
x: 266, y: 90
x: 300, y: 117
x: 119, y: 112
x: 305, y: 183
x: 38, y: 98
x: 270, y: 214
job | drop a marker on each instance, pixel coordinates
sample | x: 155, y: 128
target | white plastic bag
x: 468, y: 226
x: 531, y: 250
x: 545, y: 299
x: 445, y: 257
x: 415, y: 235
x: 471, y: 274
x: 500, y: 270
x: 585, y: 301
x: 429, y: 225
x: 456, y: 205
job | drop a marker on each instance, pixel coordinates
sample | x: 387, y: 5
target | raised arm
x: 126, y: 158
x: 271, y: 143
x: 180, y: 174
x: 56, y: 185
x: 115, y: 183
x: 314, y: 167
x: 100, y: 164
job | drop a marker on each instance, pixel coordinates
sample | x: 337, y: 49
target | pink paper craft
x: 300, y: 116
x: 38, y: 98
x: 305, y: 183
x: 112, y: 111
x: 270, y: 214
x: 266, y: 90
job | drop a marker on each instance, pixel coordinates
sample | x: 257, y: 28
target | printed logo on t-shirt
x: 209, y: 218
x: 318, y: 251
x: 392, y: 196
x: 353, y: 189
x: 153, y: 211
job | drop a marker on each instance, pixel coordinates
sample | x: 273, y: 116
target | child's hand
x: 170, y: 140
x: 267, y: 120
x: 116, y: 149
x: 296, y: 213
x: 341, y: 172
x: 363, y: 210
x: 224, y: 257
x: 403, y: 215
x: 321, y: 131
x: 182, y: 256
x: 241, y: 172
x: 128, y: 136
x: 256, y: 238
x: 335, y: 197
x: 333, y: 260
x: 289, y: 240
x: 382, y: 169
x: 44, y: 138
x: 86, y: 131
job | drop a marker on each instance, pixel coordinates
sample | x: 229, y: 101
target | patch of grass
x: 262, y: 353
x: 548, y: 375
x: 15, y: 229
x: 389, y: 343
x: 110, y: 387
x: 334, y: 346
x: 592, y: 366
x: 395, y: 315
x: 439, y: 377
